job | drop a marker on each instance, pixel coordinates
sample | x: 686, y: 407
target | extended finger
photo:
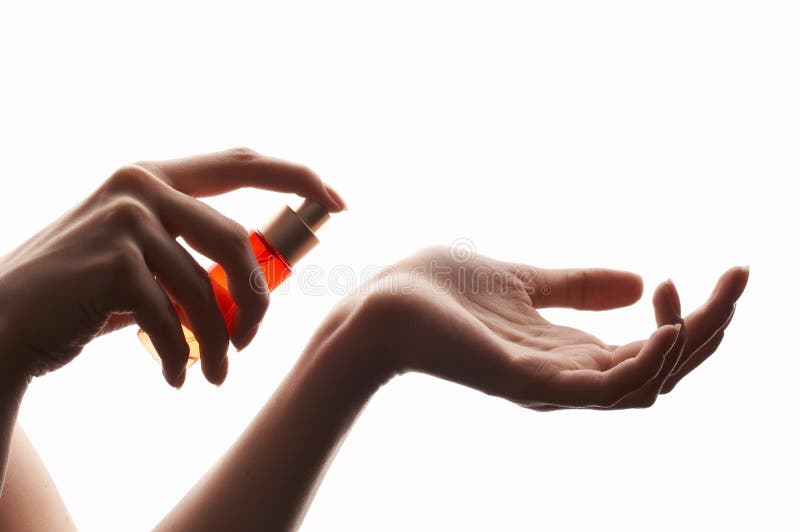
x: 582, y: 289
x: 704, y: 322
x: 215, y: 173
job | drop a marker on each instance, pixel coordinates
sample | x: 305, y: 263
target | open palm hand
x: 475, y: 320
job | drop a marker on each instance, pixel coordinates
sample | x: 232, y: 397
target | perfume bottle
x: 278, y: 245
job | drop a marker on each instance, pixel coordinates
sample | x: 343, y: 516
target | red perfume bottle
x: 278, y: 246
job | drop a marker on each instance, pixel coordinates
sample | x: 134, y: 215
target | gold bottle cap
x: 291, y: 232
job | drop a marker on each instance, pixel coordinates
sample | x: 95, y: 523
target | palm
x: 488, y: 334
x: 519, y: 331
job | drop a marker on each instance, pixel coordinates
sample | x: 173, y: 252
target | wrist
x: 393, y: 332
x: 355, y: 345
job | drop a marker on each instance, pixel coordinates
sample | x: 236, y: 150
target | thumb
x: 584, y: 288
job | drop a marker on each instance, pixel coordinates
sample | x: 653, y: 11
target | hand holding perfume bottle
x: 278, y: 246
x: 114, y: 259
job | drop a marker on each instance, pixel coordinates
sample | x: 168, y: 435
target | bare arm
x: 30, y: 501
x: 12, y: 388
x: 113, y: 260
x: 491, y: 339
x: 268, y: 478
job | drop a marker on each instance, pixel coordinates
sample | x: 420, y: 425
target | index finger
x: 219, y: 172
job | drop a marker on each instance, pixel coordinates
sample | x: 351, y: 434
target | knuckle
x: 312, y: 179
x: 241, y: 154
x: 309, y: 175
x: 307, y: 178
x: 235, y: 248
x: 127, y: 212
x: 526, y: 275
x: 131, y: 178
x: 238, y: 237
x: 125, y: 259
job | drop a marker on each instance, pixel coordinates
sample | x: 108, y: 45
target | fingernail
x: 743, y: 280
x: 336, y: 198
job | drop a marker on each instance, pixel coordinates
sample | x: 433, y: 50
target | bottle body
x: 274, y: 270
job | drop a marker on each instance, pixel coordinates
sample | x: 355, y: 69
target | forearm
x: 13, y: 382
x: 268, y: 478
x: 30, y: 500
x: 12, y: 389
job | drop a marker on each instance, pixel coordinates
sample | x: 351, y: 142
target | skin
x: 475, y: 320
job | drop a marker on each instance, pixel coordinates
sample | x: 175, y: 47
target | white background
x: 656, y: 137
